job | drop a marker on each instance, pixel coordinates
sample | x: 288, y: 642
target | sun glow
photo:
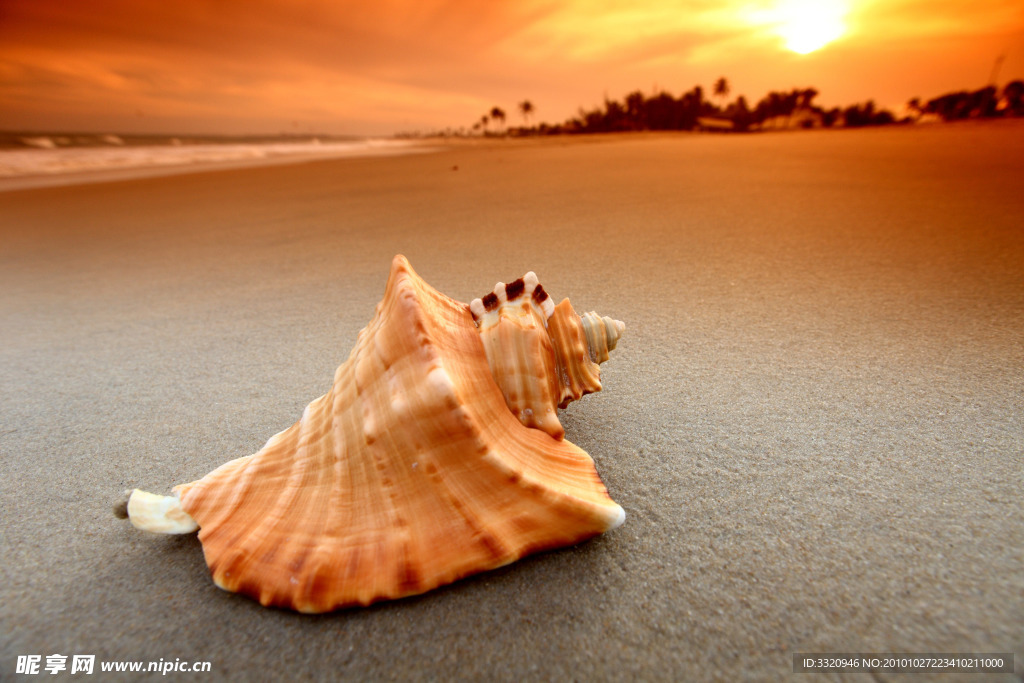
x: 808, y: 25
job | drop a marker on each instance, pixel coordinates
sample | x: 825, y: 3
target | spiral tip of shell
x: 602, y: 334
x: 619, y: 328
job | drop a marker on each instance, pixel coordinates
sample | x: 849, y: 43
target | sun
x: 808, y: 25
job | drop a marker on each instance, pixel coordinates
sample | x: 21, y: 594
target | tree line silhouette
x: 794, y: 108
x: 988, y: 102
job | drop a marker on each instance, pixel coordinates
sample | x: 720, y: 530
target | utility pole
x: 992, y: 80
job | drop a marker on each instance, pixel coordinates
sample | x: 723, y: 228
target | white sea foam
x: 47, y: 160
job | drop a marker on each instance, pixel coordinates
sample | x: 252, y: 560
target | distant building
x: 801, y: 117
x: 714, y: 124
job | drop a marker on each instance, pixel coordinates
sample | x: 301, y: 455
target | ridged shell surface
x: 410, y: 473
x: 541, y: 355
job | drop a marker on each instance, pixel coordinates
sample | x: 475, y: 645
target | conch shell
x: 413, y: 470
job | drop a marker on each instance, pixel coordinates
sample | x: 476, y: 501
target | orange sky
x: 356, y: 67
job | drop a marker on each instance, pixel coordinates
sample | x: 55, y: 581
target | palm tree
x: 484, y: 120
x: 722, y: 88
x: 807, y: 96
x: 498, y: 114
x: 914, y: 107
x: 636, y: 107
x: 526, y: 108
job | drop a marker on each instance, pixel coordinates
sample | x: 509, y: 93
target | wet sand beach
x: 814, y: 420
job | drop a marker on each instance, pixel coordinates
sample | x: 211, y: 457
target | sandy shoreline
x: 813, y: 421
x: 206, y: 158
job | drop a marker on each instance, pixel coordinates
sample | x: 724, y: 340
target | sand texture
x: 814, y: 421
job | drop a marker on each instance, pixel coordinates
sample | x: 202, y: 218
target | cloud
x: 884, y: 20
x: 399, y: 63
x: 324, y: 59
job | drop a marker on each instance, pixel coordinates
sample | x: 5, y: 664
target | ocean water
x: 50, y: 159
